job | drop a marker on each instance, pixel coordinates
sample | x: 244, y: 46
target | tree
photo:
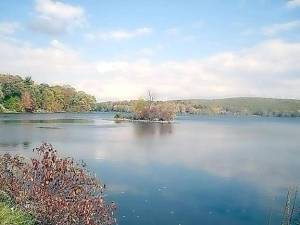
x: 13, y: 104
x: 2, y: 109
x: 49, y: 102
x: 167, y: 111
x: 1, y: 94
x: 82, y: 102
x: 28, y: 102
x: 11, y: 85
x: 140, y: 109
x: 68, y: 93
x: 28, y: 81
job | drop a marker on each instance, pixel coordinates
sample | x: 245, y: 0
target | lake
x: 197, y: 171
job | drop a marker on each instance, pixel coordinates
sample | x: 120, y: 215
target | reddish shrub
x: 55, y: 190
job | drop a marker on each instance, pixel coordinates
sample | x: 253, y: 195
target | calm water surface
x: 197, y: 171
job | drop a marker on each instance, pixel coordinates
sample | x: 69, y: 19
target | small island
x: 150, y: 111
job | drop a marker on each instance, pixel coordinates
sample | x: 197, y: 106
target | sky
x: 120, y: 49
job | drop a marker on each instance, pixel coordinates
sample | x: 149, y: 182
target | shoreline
x: 182, y: 114
x: 143, y: 121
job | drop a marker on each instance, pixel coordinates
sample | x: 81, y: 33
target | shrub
x: 118, y: 116
x: 2, y: 109
x: 167, y: 112
x: 55, y: 190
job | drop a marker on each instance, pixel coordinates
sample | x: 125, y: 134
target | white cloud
x: 281, y: 27
x: 49, y: 64
x: 55, y: 17
x: 119, y: 34
x: 293, y: 3
x: 8, y: 28
x: 269, y: 69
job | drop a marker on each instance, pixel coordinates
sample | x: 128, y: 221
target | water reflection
x: 37, y: 121
x: 152, y: 129
x: 223, y: 171
x: 24, y: 144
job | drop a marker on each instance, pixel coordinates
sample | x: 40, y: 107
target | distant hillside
x: 247, y: 105
x: 230, y: 106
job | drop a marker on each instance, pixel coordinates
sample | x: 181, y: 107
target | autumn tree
x: 140, y: 109
x: 167, y: 111
x: 28, y: 102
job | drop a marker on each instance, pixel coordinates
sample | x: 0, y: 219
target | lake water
x: 197, y: 171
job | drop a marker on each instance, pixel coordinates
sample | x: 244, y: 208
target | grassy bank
x: 10, y: 215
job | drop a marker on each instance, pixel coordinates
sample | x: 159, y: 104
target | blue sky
x: 179, y: 49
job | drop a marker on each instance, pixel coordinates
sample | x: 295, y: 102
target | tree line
x: 230, y: 106
x: 25, y: 95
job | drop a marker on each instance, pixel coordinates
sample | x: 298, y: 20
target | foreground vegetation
x: 56, y: 191
x: 229, y: 106
x: 24, y: 95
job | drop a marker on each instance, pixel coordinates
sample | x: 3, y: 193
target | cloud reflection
x: 263, y: 154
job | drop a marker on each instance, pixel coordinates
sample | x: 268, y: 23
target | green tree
x: 82, y: 102
x: 68, y: 93
x: 11, y: 85
x: 13, y: 104
x: 49, y: 103
x: 28, y: 81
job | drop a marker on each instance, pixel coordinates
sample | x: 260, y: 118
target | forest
x: 19, y: 94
